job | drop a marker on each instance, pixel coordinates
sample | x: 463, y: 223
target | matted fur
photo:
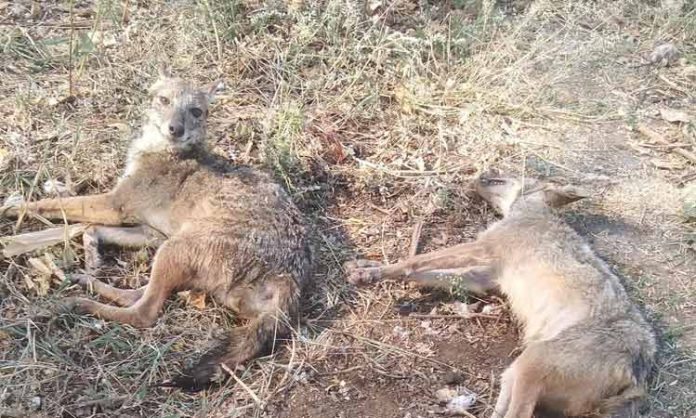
x: 229, y: 231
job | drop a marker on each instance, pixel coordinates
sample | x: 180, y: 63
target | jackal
x: 231, y: 232
x: 587, y: 348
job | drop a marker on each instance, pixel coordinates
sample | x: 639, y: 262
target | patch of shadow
x: 591, y: 224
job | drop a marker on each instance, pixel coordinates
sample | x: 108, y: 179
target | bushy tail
x: 241, y: 345
x: 625, y: 405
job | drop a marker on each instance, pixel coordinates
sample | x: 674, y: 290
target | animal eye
x: 163, y: 100
x: 196, y: 112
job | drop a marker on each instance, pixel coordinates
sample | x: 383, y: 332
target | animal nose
x: 176, y: 130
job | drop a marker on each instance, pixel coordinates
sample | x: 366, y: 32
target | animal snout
x: 176, y: 130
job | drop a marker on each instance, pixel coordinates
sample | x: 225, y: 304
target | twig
x: 687, y: 177
x: 70, y: 49
x: 467, y: 316
x: 104, y: 402
x: 243, y: 385
x: 656, y: 137
x: 415, y: 238
x: 218, y: 44
x: 124, y: 16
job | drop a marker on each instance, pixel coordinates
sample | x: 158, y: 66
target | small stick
x: 467, y: 316
x: 415, y: 238
x: 242, y: 384
x: 124, y: 16
x: 656, y: 137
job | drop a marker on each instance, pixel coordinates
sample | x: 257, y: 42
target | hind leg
x: 130, y: 237
x: 169, y: 271
x: 520, y: 389
x: 122, y: 297
x: 506, y: 383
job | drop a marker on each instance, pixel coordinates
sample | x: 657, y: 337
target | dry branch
x: 32, y: 241
x: 659, y: 139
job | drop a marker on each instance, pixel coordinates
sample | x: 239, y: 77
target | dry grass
x: 374, y: 116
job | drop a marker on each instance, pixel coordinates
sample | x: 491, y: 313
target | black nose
x: 176, y: 130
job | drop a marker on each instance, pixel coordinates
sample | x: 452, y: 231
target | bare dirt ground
x: 375, y: 116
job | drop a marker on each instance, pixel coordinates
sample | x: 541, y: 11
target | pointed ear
x: 215, y: 88
x: 563, y: 195
x: 164, y: 71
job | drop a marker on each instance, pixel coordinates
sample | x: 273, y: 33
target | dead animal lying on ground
x: 587, y: 348
x: 233, y: 233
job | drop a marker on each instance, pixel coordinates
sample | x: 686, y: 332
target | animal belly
x: 542, y: 303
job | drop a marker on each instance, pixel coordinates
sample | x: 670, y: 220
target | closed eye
x: 196, y: 112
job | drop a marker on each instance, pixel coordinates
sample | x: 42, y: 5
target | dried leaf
x: 193, y: 298
x: 42, y: 278
x: 5, y: 158
x: 404, y: 98
x: 57, y: 188
x: 197, y: 300
x: 673, y: 115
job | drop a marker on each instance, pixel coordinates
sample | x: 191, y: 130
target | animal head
x: 178, y: 113
x: 507, y: 194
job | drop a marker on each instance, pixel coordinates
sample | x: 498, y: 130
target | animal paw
x: 360, y: 263
x: 12, y: 204
x: 84, y: 280
x: 74, y: 305
x: 363, y: 276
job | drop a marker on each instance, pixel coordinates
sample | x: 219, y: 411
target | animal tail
x: 241, y: 345
x: 245, y: 343
x: 624, y: 405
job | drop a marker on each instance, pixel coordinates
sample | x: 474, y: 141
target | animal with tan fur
x: 587, y: 349
x: 229, y: 231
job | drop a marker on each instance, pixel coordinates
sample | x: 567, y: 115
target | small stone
x: 491, y: 309
x: 460, y: 308
x: 401, y: 332
x: 458, y: 401
x: 665, y: 54
x: 35, y: 403
x: 445, y: 395
x: 461, y: 404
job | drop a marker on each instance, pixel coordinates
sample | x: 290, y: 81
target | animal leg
x: 452, y: 261
x: 130, y: 237
x: 98, y: 209
x: 122, y: 297
x: 506, y: 384
x: 527, y: 385
x: 169, y: 271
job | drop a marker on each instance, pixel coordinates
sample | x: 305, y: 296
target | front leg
x: 140, y: 236
x: 467, y: 264
x: 456, y: 257
x: 98, y: 209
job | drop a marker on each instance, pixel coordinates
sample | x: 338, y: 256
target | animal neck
x: 151, y: 143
